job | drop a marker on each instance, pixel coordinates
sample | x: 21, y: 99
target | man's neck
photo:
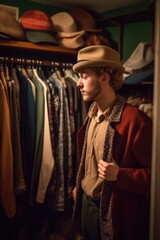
x: 105, y: 103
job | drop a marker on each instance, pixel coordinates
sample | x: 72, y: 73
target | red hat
x: 36, y: 20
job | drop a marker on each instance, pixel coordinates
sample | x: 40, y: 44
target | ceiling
x: 96, y: 5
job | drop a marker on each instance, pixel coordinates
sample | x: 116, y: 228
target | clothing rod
x: 35, y: 62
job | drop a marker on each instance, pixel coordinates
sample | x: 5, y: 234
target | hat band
x: 84, y: 60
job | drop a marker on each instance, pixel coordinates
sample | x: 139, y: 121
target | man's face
x: 89, y: 84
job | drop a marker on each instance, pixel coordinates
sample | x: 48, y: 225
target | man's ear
x: 106, y: 78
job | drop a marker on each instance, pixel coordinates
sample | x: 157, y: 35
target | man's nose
x: 79, y: 83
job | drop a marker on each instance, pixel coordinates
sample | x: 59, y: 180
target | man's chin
x: 86, y: 99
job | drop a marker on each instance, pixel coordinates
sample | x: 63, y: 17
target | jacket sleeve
x: 135, y: 174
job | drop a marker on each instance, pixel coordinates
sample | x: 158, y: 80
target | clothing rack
x: 46, y: 100
x: 35, y: 62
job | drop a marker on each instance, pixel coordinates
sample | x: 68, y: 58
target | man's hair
x: 116, y: 77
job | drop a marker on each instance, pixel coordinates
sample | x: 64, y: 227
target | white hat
x: 139, y: 66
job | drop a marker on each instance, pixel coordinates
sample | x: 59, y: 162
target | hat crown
x: 66, y: 29
x: 36, y: 20
x: 98, y: 53
x: 10, y: 26
x: 98, y: 56
x: 84, y: 20
x: 63, y: 22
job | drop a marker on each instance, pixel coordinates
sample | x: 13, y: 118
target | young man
x: 113, y: 181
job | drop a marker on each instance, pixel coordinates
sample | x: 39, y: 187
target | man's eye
x: 84, y: 76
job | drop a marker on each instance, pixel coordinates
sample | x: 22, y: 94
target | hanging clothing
x: 47, y: 164
x: 27, y: 125
x: 14, y: 102
x: 44, y: 115
x: 7, y: 194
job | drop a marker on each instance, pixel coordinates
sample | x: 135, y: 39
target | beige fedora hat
x: 98, y: 56
x: 65, y: 25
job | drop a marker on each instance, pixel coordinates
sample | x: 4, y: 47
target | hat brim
x: 72, y: 42
x: 139, y: 77
x: 5, y: 36
x: 69, y: 35
x: 40, y: 37
x: 99, y: 63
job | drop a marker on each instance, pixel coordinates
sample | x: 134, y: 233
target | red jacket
x: 129, y: 143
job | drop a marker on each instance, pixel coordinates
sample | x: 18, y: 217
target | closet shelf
x: 39, y: 47
x: 28, y: 50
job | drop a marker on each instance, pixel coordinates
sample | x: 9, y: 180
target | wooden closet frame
x: 155, y: 177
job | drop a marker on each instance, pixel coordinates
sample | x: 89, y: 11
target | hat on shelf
x: 36, y: 20
x: 84, y: 20
x: 140, y: 65
x: 66, y: 30
x: 38, y: 27
x: 10, y: 28
x: 98, y: 56
x: 35, y: 36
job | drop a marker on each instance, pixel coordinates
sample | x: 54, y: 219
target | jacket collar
x: 116, y: 112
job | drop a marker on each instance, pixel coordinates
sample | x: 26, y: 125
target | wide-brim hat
x: 98, y: 56
x: 40, y: 37
x: 84, y: 20
x: 65, y: 25
x: 71, y: 35
x: 10, y: 27
x: 140, y: 65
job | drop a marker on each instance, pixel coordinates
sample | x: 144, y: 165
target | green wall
x: 133, y: 32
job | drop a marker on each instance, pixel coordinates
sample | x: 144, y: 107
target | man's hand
x: 108, y: 171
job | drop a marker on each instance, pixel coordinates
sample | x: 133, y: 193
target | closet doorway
x: 155, y: 189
